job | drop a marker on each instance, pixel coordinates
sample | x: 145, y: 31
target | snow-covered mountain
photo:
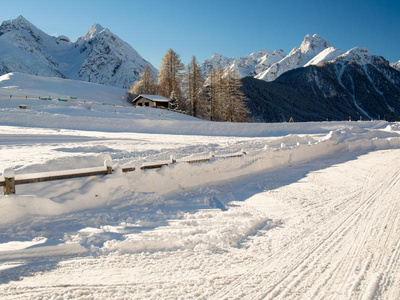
x: 361, y: 56
x: 313, y: 50
x: 396, y: 65
x: 99, y: 56
x: 268, y: 65
x: 357, y: 83
x: 250, y: 65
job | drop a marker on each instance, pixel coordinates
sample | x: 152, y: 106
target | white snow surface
x: 24, y: 85
x: 325, y: 55
x: 311, y: 210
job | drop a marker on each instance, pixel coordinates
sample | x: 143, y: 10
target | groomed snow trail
x: 346, y: 247
x: 332, y: 234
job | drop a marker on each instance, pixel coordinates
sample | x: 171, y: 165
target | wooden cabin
x: 151, y: 101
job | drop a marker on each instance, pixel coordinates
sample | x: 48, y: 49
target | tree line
x: 216, y: 98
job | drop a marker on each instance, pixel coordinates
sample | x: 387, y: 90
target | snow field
x: 310, y: 212
x: 309, y: 251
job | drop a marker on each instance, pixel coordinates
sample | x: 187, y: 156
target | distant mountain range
x: 269, y: 65
x: 99, y: 56
x: 311, y: 83
x: 316, y: 82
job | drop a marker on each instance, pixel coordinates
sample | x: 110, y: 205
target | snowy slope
x: 311, y: 210
x: 325, y: 55
x: 99, y: 56
x: 25, y: 85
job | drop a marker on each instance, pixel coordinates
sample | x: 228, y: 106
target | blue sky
x: 232, y: 28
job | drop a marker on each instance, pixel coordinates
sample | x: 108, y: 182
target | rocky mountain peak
x: 93, y: 31
x: 396, y: 65
x: 99, y: 57
x: 314, y: 44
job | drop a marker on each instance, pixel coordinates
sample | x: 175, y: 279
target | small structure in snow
x: 151, y: 101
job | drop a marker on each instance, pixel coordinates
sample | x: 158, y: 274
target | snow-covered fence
x: 78, y: 100
x: 11, y: 180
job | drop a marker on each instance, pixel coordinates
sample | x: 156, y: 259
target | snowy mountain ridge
x: 361, y: 56
x: 249, y: 65
x: 396, y: 65
x: 267, y: 65
x: 99, y: 56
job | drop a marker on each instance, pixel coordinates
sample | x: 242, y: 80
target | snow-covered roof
x: 155, y: 98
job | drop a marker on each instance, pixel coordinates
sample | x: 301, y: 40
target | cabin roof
x: 154, y: 98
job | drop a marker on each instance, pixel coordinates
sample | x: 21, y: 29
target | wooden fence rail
x: 11, y: 180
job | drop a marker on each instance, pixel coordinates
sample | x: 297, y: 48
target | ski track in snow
x: 353, y: 245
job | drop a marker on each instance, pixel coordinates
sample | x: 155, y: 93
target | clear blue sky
x: 232, y: 28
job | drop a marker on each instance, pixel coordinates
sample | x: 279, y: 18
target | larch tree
x: 146, y: 85
x: 227, y: 101
x: 234, y: 100
x: 216, y: 94
x: 194, y: 83
x: 170, y: 78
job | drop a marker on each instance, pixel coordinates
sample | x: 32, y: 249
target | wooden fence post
x: 10, y: 186
x: 108, y: 165
x: 9, y: 179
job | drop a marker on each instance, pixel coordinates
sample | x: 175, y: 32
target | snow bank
x: 76, y: 195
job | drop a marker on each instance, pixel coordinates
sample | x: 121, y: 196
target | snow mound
x: 197, y: 232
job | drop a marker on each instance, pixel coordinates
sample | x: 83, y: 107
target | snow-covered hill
x: 25, y: 85
x: 99, y: 56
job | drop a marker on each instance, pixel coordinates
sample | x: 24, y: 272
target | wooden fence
x: 11, y: 180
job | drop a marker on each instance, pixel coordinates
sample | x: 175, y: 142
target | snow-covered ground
x: 311, y: 210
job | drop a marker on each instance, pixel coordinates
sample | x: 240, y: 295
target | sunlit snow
x: 310, y: 211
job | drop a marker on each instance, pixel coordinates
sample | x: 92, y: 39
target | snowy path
x: 327, y: 229
x: 349, y: 246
